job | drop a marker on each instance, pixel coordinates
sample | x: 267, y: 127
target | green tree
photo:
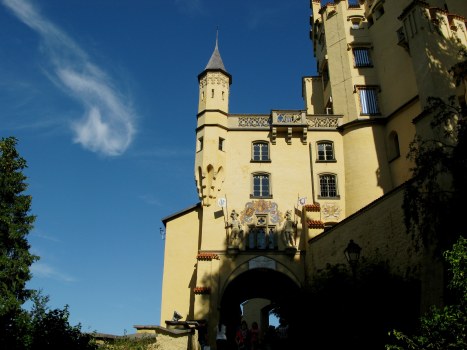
x: 39, y: 328
x: 443, y: 328
x: 15, y: 258
x: 50, y: 328
x: 438, y: 189
x: 432, y: 199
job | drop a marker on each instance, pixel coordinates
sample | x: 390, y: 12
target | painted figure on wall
x: 288, y: 230
x: 236, y: 230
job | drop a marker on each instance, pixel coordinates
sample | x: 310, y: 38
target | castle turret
x: 214, y: 83
x: 211, y: 132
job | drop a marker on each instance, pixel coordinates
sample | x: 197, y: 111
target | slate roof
x: 215, y: 62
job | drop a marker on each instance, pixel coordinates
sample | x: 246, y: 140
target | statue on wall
x: 236, y: 230
x: 288, y: 230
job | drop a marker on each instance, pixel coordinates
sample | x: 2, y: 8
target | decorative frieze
x: 254, y: 121
x: 289, y: 118
x: 323, y: 122
x: 215, y: 79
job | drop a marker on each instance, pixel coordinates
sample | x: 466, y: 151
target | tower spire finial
x: 216, y: 61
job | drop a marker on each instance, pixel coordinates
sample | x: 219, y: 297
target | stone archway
x: 261, y: 283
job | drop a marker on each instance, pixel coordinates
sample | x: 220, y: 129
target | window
x: 328, y: 185
x: 353, y: 3
x: 200, y: 144
x: 325, y: 151
x: 394, y: 150
x: 361, y: 57
x: 368, y: 96
x: 221, y: 143
x: 379, y: 11
x: 260, y: 151
x: 325, y: 74
x: 261, y: 185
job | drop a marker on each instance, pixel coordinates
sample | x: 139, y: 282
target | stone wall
x: 380, y: 231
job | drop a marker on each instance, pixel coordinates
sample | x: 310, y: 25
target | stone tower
x: 213, y: 108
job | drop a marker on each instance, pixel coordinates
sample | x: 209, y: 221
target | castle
x: 282, y: 194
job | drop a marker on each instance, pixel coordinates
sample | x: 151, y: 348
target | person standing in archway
x: 254, y: 336
x: 283, y: 334
x: 221, y: 337
x: 242, y: 337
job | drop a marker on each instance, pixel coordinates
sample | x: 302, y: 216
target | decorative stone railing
x: 285, y: 118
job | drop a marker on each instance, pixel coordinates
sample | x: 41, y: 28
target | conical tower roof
x: 215, y: 62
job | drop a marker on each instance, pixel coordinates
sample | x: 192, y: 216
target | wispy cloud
x: 43, y: 270
x: 108, y: 123
x: 257, y: 16
x: 39, y: 234
x: 150, y: 199
x: 190, y: 7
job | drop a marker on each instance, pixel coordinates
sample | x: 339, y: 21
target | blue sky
x: 102, y: 96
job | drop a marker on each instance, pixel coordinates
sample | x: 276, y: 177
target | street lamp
x: 352, y: 254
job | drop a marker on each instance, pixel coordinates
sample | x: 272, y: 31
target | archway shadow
x: 262, y: 283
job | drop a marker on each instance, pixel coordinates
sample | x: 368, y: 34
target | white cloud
x: 108, y: 123
x: 42, y: 270
x: 150, y: 199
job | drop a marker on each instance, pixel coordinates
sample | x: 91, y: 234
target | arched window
x: 260, y: 151
x: 261, y: 185
x: 328, y: 186
x: 394, y: 151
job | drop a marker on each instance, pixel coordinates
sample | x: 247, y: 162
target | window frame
x: 352, y: 4
x: 221, y: 144
x: 261, y: 158
x: 328, y: 188
x: 394, y: 146
x: 325, y: 159
x: 200, y: 144
x: 372, y: 106
x: 269, y: 185
x: 362, y: 60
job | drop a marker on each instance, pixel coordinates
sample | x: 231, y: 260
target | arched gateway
x: 264, y: 286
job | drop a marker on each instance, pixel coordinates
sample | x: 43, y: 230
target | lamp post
x: 352, y: 254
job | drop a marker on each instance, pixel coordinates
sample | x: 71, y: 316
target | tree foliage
x: 443, y: 328
x: 433, y: 206
x: 434, y: 198
x: 15, y: 224
x: 50, y: 328
x: 39, y: 328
